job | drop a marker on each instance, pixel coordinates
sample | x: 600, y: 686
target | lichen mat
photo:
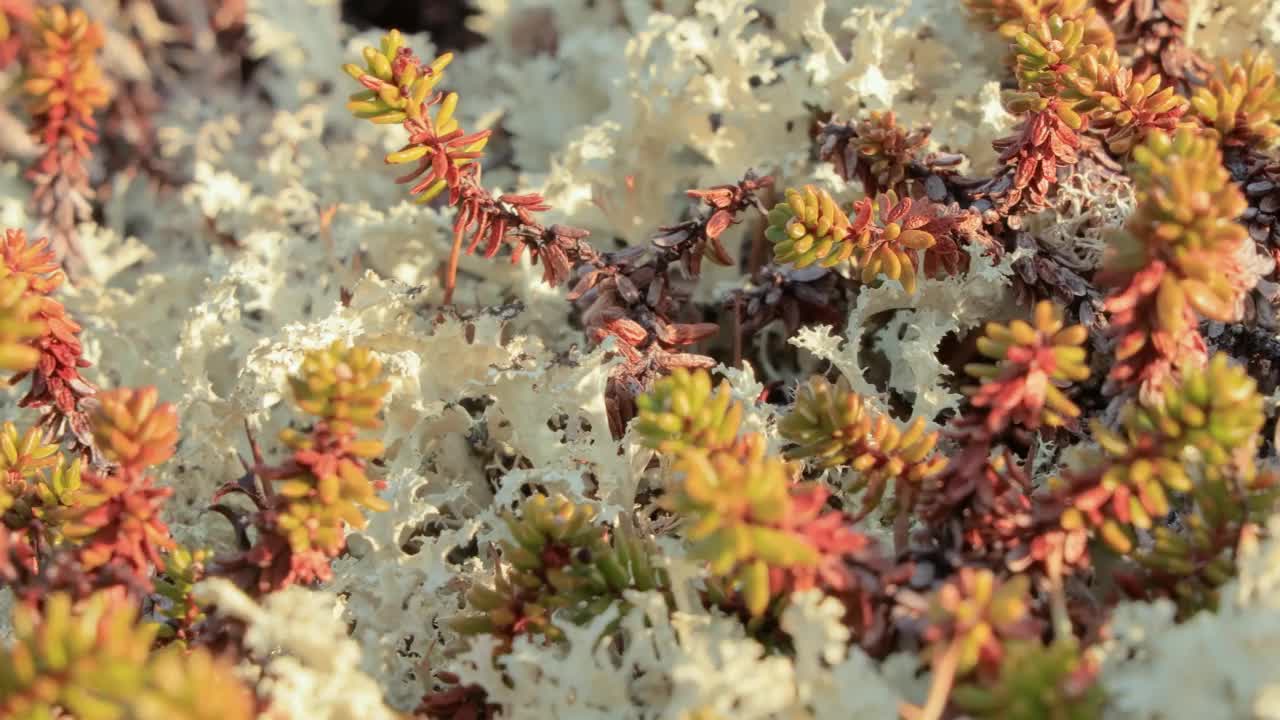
x: 679, y: 359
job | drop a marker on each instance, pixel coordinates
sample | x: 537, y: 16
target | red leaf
x: 718, y: 223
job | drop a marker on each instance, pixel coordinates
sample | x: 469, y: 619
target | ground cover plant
x: 680, y: 359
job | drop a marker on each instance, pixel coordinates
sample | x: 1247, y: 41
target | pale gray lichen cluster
x: 214, y: 291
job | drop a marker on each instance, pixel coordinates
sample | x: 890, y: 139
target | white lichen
x: 214, y: 290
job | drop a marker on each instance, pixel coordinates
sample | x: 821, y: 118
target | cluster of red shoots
x: 64, y: 88
x: 399, y: 88
x: 58, y: 390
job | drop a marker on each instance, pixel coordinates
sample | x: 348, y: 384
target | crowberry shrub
x: 843, y: 364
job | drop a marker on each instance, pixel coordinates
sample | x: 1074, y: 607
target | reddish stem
x: 944, y: 673
x: 451, y: 272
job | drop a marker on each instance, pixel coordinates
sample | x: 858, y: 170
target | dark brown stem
x: 737, y: 333
x: 901, y: 530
